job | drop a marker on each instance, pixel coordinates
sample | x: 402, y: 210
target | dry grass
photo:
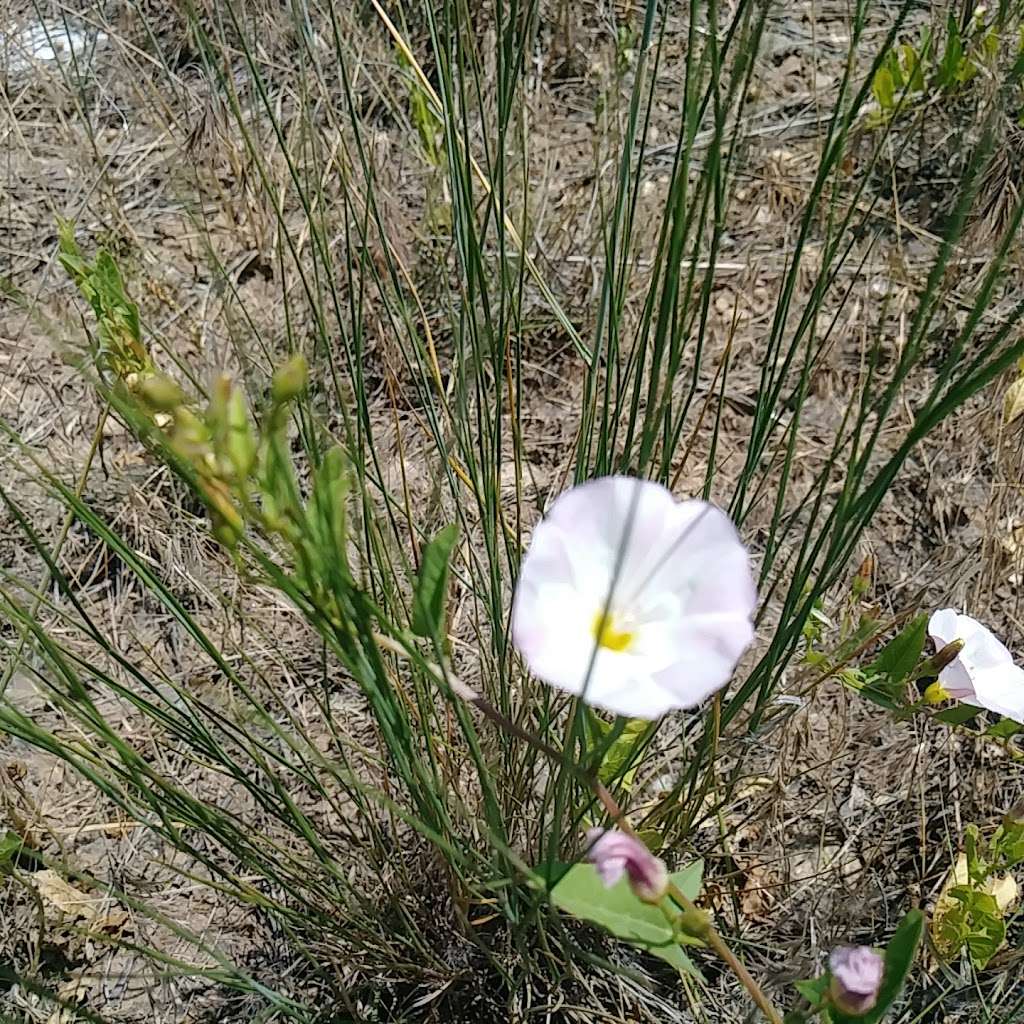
x: 842, y: 819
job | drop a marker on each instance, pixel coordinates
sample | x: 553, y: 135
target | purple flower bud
x: 856, y: 977
x: 615, y: 853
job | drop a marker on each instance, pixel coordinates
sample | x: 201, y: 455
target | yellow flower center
x: 936, y: 693
x: 607, y: 635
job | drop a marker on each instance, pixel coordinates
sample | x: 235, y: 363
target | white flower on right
x: 984, y: 673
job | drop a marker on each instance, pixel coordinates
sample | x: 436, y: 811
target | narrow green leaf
x: 899, y: 955
x: 432, y: 584
x: 582, y: 894
x: 892, y: 62
x: 947, y: 70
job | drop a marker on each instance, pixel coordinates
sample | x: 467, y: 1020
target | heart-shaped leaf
x: 581, y: 893
x: 958, y: 715
x: 900, y: 655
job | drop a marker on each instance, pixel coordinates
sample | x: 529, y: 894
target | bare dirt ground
x: 847, y: 819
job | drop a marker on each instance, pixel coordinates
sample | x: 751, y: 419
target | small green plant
x: 909, y: 74
x: 119, y: 348
x: 379, y: 812
x: 970, y: 913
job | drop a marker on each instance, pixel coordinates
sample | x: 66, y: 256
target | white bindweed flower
x: 983, y: 673
x: 632, y: 600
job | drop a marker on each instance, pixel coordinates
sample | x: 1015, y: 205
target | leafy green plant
x: 970, y: 913
x: 581, y: 893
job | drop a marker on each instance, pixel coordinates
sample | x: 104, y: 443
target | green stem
x: 709, y: 934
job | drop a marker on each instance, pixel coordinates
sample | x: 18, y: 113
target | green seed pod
x: 191, y: 438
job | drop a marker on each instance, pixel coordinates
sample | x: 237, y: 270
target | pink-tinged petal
x: 983, y: 651
x: 610, y: 870
x: 942, y: 627
x: 983, y: 673
x: 857, y: 973
x: 956, y: 681
x: 706, y: 564
x: 617, y: 521
x: 612, y: 852
x: 629, y: 693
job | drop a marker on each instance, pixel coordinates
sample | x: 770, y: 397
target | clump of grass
x: 340, y: 790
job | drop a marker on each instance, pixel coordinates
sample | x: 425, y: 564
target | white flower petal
x: 957, y: 682
x: 667, y: 585
x: 983, y: 673
x: 942, y: 627
x: 1001, y: 690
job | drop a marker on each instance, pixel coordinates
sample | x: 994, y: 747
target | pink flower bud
x: 856, y: 977
x: 613, y: 853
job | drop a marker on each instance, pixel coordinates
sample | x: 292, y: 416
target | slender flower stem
x: 718, y: 944
x: 709, y: 934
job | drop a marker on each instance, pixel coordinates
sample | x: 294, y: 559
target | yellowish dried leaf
x: 64, y: 896
x: 1005, y: 891
x: 1013, y: 400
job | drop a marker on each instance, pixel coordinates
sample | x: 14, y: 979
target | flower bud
x: 695, y: 923
x: 856, y: 978
x: 615, y: 853
x: 160, y: 393
x: 289, y: 379
x: 228, y: 420
x: 241, y: 444
x: 862, y: 581
x: 943, y: 657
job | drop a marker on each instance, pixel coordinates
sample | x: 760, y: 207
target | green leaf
x: 946, y: 73
x: 10, y: 847
x: 1007, y: 845
x: 901, y: 654
x: 892, y: 62
x: 913, y: 64
x: 975, y: 920
x: 582, y: 894
x: 984, y: 942
x: 899, y: 955
x: 813, y: 990
x: 1004, y: 728
x: 432, y: 584
x: 959, y: 715
x: 616, y: 764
